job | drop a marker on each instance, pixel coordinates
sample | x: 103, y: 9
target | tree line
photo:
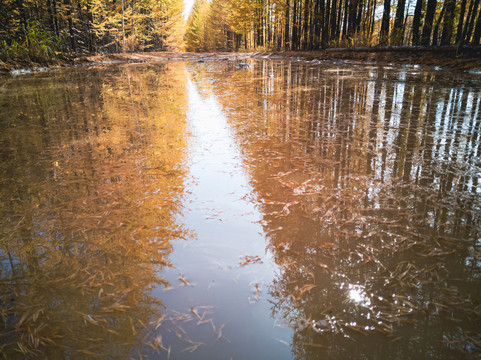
x: 320, y: 24
x: 32, y: 29
x: 41, y: 29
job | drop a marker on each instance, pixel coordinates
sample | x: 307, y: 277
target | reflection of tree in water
x: 89, y: 191
x: 368, y: 180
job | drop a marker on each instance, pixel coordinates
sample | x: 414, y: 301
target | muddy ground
x: 445, y: 58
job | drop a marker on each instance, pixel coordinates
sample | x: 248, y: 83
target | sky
x: 187, y: 7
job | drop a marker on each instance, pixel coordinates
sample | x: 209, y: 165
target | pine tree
x: 195, y: 34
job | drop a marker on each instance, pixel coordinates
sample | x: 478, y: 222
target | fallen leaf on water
x: 185, y: 282
x: 281, y: 341
x: 312, y: 344
x: 250, y: 259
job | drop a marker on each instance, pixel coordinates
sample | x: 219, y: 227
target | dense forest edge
x: 57, y: 32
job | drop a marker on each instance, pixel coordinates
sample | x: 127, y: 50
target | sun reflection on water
x: 356, y: 294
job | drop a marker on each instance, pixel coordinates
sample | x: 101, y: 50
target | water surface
x: 241, y: 210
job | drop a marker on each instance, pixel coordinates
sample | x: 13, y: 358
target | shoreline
x: 446, y: 58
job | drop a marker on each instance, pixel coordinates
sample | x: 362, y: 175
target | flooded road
x: 255, y: 209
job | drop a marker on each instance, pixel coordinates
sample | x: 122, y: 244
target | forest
x: 42, y: 30
x: 321, y: 24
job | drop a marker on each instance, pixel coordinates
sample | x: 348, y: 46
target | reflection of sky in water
x: 228, y: 232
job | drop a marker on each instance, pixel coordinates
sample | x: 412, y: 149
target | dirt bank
x: 445, y: 58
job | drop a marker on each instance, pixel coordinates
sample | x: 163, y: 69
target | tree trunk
x: 91, y: 36
x: 325, y: 23
x: 55, y: 18
x: 133, y: 25
x: 312, y: 24
x: 319, y: 21
x: 477, y: 31
x: 360, y: 6
x: 338, y: 26
x: 68, y: 7
x: 344, y: 23
x: 294, y: 41
x: 50, y: 15
x: 386, y: 18
x: 123, y: 27
x: 373, y: 21
x: 468, y: 29
x: 286, y: 31
x: 436, y: 27
x: 396, y: 34
x: 448, y: 23
x: 428, y: 22
x: 333, y: 29
x: 278, y: 34
x: 417, y: 21
x: 305, y: 35
x: 352, y: 19
x: 459, y: 31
